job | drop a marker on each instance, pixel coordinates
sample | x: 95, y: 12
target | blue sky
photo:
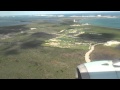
x: 7, y: 13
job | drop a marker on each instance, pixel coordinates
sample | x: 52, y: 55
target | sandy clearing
x: 112, y: 42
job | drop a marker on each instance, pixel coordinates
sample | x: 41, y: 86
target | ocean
x: 103, y: 22
x: 22, y: 20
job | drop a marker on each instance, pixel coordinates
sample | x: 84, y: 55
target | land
x: 45, y: 50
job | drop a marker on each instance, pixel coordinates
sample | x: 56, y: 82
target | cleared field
x: 105, y: 53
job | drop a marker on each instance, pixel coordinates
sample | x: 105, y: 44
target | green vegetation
x: 39, y: 62
x: 50, y: 50
x: 24, y: 55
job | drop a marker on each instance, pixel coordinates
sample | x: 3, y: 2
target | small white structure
x: 21, y: 32
x: 98, y: 15
x: 85, y: 24
x: 75, y: 25
x: 74, y: 20
x: 33, y: 28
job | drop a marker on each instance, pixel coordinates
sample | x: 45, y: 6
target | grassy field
x: 105, y: 53
x: 24, y: 55
x: 40, y: 62
x: 51, y: 50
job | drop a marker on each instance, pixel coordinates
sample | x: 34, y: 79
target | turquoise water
x: 103, y: 22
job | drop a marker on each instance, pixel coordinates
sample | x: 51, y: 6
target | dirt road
x: 87, y: 55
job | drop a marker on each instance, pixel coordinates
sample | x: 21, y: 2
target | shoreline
x: 103, y: 27
x: 36, y: 22
x: 100, y: 25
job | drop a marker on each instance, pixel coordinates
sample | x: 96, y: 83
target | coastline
x: 103, y: 23
x: 37, y: 22
x: 104, y: 27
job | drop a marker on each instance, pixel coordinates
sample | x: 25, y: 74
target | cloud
x: 7, y: 13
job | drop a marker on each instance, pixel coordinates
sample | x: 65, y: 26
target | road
x: 87, y: 55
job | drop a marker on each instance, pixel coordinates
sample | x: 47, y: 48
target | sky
x: 7, y: 13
